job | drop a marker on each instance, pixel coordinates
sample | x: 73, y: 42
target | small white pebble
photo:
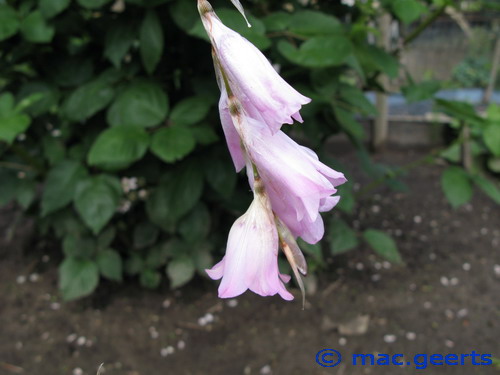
x: 389, y: 338
x: 360, y: 266
x: 466, y: 266
x: 21, y: 279
x: 342, y: 341
x: 166, y: 304
x: 444, y: 281
x: 202, y: 321
x: 376, y: 277
x: 398, y: 232
x: 496, y: 268
x: 81, y: 341
x: 153, y: 333
x: 19, y: 345
x: 377, y: 265
x: 433, y: 223
x: 427, y: 305
x: 462, y: 313
x: 45, y: 336
x: 484, y: 231
x: 417, y: 219
x: 265, y: 370
x: 454, y: 281
x: 89, y: 343
x: 413, y: 287
x: 232, y: 302
x: 181, y: 345
x: 56, y: 133
x: 247, y: 370
x: 34, y: 277
x: 209, y: 318
x: 449, y: 343
x: 163, y: 352
x: 375, y: 209
x: 386, y: 264
x: 45, y: 258
x: 77, y: 371
x: 432, y: 256
x: 449, y: 314
x: 71, y: 337
x: 411, y: 336
x: 55, y: 305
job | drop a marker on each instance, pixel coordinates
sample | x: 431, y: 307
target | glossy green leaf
x: 151, y: 41
x: 141, y: 104
x: 25, y: 193
x: 60, y: 185
x: 150, y: 279
x: 374, y: 58
x: 195, y: 226
x: 220, y: 175
x: 456, y: 186
x: 77, y: 277
x: 342, y: 238
x: 96, y: 201
x: 8, y: 186
x: 145, y: 234
x: 173, y: 143
x: 488, y: 187
x: 9, y: 22
x: 110, y: 264
x: 35, y: 28
x: 383, y: 245
x: 118, y: 147
x: 416, y: 92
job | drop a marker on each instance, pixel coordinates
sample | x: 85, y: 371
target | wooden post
x: 381, y: 125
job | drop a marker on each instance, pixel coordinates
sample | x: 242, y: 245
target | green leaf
x: 494, y: 164
x: 312, y: 250
x: 35, y: 28
x: 195, y: 226
x: 12, y: 123
x: 88, y: 99
x: 60, y: 185
x: 134, y: 265
x: 357, y: 98
x: 150, y: 279
x: 491, y: 137
x: 9, y: 22
x: 96, y: 202
x: 277, y: 21
x: 71, y: 71
x: 416, y: 92
x: 119, y: 39
x: 407, y: 10
x: 92, y: 4
x: 145, y: 234
x: 142, y: 104
x: 175, y: 197
x: 77, y: 278
x: 342, y: 238
x: 106, y: 237
x: 173, y: 143
x: 383, y: 245
x: 347, y: 201
x: 204, y: 134
x: 118, y: 147
x: 180, y: 271
x: 462, y: 111
x: 157, y: 256
x: 488, y: 187
x: 318, y: 52
x: 25, y: 193
x: 49, y: 97
x: 456, y: 186
x: 313, y: 23
x: 151, y: 41
x: 79, y: 246
x: 375, y: 58
x: 191, y: 110
x: 349, y: 124
x: 220, y: 175
x: 51, y: 8
x: 110, y: 264
x: 255, y: 34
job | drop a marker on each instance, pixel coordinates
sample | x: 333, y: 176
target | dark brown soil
x: 445, y: 299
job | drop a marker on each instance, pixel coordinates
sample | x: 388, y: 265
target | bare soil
x: 444, y: 299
